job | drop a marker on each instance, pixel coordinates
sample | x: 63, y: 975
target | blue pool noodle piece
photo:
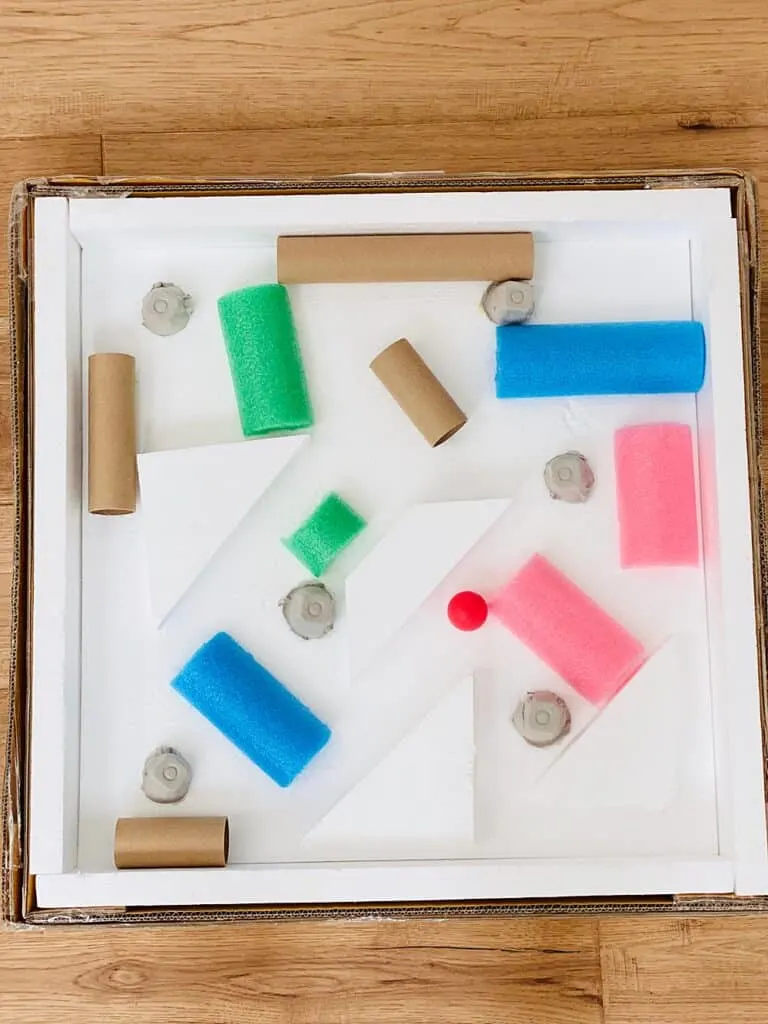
x: 252, y: 708
x: 561, y: 360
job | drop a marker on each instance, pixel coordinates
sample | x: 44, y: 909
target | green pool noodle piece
x: 324, y: 535
x: 265, y: 360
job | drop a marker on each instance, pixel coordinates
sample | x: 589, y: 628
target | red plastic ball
x: 467, y: 610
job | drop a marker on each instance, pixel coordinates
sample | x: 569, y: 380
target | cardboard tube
x: 111, y: 434
x: 418, y: 392
x: 345, y: 259
x: 171, y: 842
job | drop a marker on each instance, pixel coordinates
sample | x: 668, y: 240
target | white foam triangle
x: 407, y: 564
x: 193, y: 498
x: 423, y: 790
x: 628, y: 756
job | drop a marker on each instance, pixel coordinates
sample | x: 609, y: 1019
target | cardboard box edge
x: 18, y: 902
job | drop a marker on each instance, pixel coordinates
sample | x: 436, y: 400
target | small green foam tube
x: 332, y: 526
x: 265, y: 360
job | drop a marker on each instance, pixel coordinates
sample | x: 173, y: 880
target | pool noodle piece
x: 347, y: 259
x: 656, y: 495
x: 251, y: 708
x: 191, y: 501
x: 324, y: 534
x: 418, y: 392
x: 411, y: 560
x: 568, y: 630
x: 561, y: 360
x: 422, y: 790
x: 265, y: 360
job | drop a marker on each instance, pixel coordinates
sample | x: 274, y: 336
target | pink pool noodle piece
x: 656, y: 495
x: 568, y: 630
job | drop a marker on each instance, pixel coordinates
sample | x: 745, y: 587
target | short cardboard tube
x: 171, y: 842
x: 418, y: 392
x: 111, y: 434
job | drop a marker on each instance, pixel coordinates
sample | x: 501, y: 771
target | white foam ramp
x: 628, y: 756
x: 191, y: 500
x: 423, y: 790
x: 407, y: 564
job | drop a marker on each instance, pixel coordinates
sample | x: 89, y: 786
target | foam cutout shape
x: 629, y: 755
x: 251, y: 708
x: 656, y: 495
x: 321, y: 538
x: 568, y: 630
x: 408, y: 563
x: 422, y: 790
x: 191, y: 501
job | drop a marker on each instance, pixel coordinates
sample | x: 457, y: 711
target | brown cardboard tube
x: 418, y: 392
x: 346, y: 259
x: 111, y: 434
x: 171, y: 842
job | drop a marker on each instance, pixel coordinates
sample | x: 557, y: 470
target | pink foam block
x: 568, y: 630
x: 656, y: 495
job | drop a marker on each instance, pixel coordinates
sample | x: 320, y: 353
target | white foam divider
x: 359, y: 883
x: 729, y: 555
x: 358, y: 214
x: 58, y: 484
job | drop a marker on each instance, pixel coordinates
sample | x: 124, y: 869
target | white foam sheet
x: 193, y: 498
x: 423, y: 790
x: 365, y: 448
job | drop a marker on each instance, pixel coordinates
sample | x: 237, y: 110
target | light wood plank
x: 93, y: 64
x: 534, y: 971
x: 686, y: 970
x: 582, y: 145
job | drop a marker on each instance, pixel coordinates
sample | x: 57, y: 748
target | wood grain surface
x: 283, y: 86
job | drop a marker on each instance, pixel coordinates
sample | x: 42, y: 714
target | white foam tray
x: 680, y: 807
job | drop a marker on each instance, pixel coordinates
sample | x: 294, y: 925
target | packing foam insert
x: 568, y: 630
x: 561, y: 360
x: 323, y: 536
x: 656, y: 495
x: 265, y: 360
x: 251, y: 708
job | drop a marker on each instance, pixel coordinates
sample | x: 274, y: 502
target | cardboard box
x: 20, y: 902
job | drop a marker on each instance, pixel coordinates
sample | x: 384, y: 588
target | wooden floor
x: 317, y: 86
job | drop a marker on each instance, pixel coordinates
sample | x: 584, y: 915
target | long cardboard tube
x: 171, y: 842
x: 346, y: 259
x: 111, y: 434
x: 418, y: 392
